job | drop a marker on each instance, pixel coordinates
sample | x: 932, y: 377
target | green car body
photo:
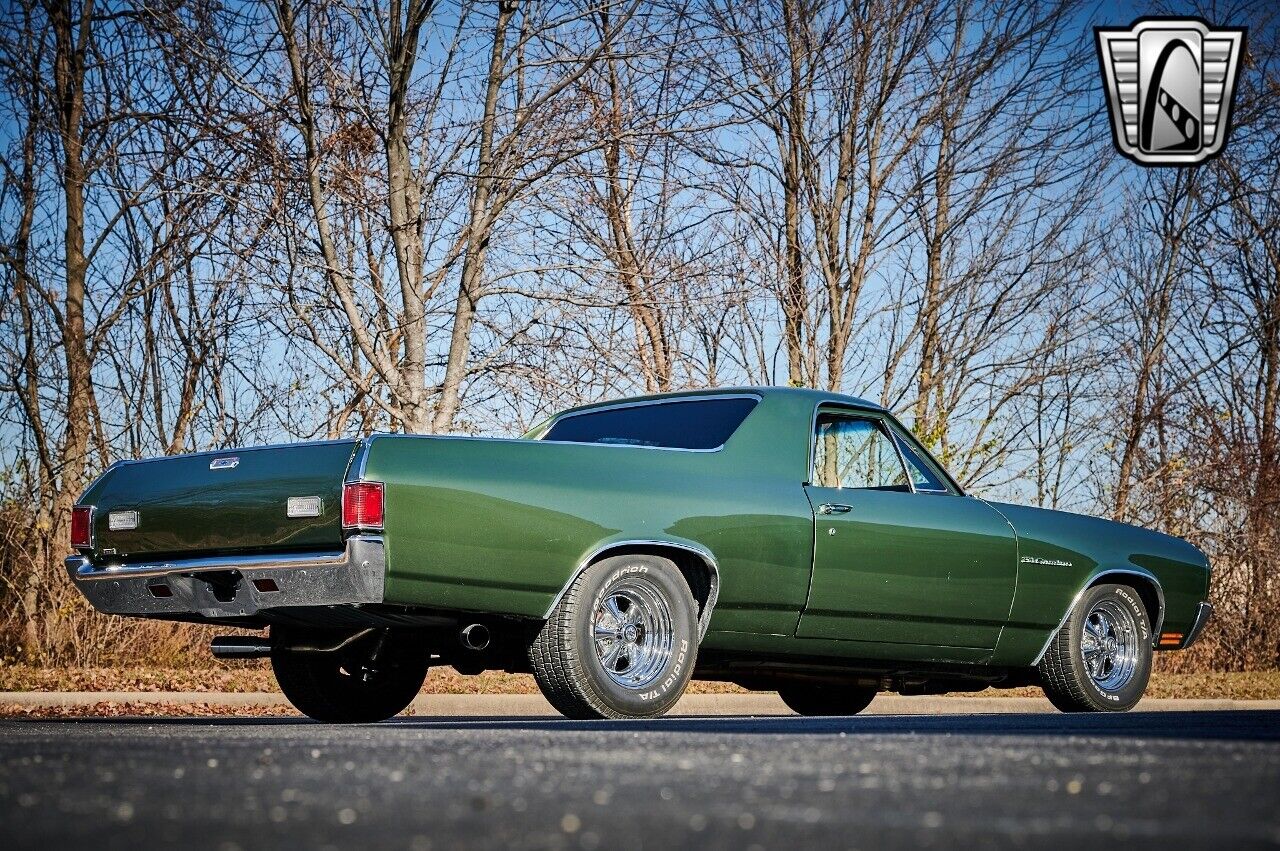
x: 785, y: 573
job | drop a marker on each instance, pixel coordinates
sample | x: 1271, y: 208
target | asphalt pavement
x: 1140, y: 780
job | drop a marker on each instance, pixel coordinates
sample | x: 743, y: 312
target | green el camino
x: 777, y: 538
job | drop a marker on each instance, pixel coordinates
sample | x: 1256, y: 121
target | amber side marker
x: 1168, y: 639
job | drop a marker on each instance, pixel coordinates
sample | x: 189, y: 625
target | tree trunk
x: 405, y: 201
x: 479, y: 229
x: 929, y: 418
x: 791, y: 139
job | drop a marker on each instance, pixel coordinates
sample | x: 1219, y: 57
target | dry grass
x: 254, y: 677
x: 1239, y: 685
x: 137, y: 709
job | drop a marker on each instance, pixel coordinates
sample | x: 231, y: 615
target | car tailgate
x: 233, y: 501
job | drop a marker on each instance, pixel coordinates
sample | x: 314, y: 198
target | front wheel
x: 1100, y: 660
x: 365, y: 679
x: 621, y: 643
x: 822, y: 699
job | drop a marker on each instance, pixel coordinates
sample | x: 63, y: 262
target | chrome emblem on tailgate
x: 305, y: 506
x: 224, y: 463
x: 120, y: 521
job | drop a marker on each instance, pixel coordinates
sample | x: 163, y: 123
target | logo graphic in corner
x: 1169, y: 83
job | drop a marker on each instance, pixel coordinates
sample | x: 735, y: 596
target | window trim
x: 644, y: 403
x: 877, y: 420
x: 917, y: 448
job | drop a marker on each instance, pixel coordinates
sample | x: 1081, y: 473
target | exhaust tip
x: 475, y: 636
x: 239, y: 647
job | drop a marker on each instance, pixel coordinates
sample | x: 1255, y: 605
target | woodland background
x: 227, y: 223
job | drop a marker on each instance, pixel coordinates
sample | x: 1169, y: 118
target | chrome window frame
x: 945, y: 490
x: 876, y: 418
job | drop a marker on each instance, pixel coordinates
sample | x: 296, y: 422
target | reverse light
x: 362, y: 505
x: 82, y: 527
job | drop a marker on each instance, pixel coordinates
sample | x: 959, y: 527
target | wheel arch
x: 1143, y: 581
x: 696, y: 563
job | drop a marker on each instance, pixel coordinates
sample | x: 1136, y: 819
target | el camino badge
x: 122, y: 521
x: 224, y: 463
x: 1052, y: 562
x: 305, y: 506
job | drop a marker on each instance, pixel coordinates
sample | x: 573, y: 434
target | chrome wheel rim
x: 632, y: 632
x: 1109, y: 645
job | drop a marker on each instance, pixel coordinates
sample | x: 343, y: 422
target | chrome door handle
x: 834, y: 508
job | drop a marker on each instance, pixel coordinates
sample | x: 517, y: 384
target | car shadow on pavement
x: 1227, y: 725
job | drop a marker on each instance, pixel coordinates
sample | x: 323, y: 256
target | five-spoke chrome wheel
x: 621, y: 643
x: 1109, y: 644
x: 632, y: 633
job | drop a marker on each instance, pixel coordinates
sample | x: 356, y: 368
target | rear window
x: 692, y: 424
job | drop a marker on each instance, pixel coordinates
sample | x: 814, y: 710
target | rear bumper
x: 235, y: 586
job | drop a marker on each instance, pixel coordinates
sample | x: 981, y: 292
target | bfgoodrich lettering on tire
x: 621, y: 643
x: 1100, y: 660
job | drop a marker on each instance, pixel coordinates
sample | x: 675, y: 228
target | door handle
x: 834, y: 508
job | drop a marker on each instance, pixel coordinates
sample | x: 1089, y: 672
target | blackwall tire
x: 1100, y: 659
x: 821, y: 699
x: 620, y: 643
x: 354, y: 685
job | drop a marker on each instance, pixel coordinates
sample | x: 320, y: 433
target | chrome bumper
x: 1203, y: 612
x: 235, y: 586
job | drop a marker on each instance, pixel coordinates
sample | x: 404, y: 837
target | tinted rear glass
x: 695, y: 424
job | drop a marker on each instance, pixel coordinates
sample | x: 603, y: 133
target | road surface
x: 1142, y: 780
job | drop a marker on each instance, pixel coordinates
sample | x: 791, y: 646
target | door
x: 894, y: 563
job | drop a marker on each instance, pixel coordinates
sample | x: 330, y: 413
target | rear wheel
x: 621, y: 643
x: 1100, y: 660
x: 371, y: 678
x: 822, y: 699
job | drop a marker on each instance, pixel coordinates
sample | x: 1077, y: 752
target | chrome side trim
x: 713, y: 593
x: 1204, y: 611
x: 1093, y: 580
x: 360, y: 458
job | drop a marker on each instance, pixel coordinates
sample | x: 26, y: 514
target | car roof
x: 815, y: 397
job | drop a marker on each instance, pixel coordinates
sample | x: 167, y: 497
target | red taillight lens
x: 82, y: 526
x: 362, y: 505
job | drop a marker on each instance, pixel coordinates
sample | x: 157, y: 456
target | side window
x: 924, y: 476
x: 684, y: 424
x: 855, y: 453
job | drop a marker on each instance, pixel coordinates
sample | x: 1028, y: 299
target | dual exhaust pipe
x: 475, y: 637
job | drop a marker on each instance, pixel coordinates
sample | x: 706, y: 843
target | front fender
x: 1060, y: 555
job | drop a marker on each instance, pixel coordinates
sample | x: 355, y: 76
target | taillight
x: 362, y: 505
x: 82, y: 527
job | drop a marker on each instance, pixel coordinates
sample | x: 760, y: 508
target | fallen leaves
x: 138, y: 709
